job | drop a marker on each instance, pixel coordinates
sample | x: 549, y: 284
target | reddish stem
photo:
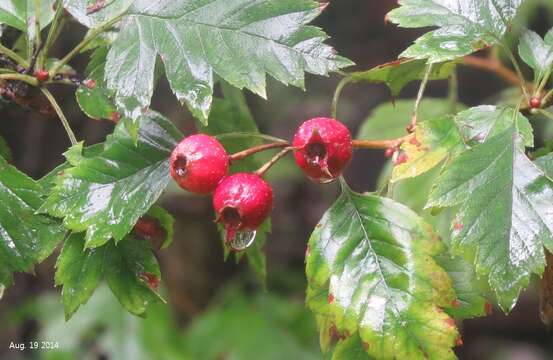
x: 378, y: 144
x: 262, y: 170
x: 254, y: 150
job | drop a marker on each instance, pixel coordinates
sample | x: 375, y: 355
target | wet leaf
x: 129, y: 267
x: 398, y: 73
x: 370, y: 270
x: 156, y: 227
x: 503, y: 221
x: 537, y: 53
x: 464, y: 26
x: 19, y: 14
x: 93, y: 13
x: 480, y: 123
x: 432, y: 143
x: 5, y: 150
x: 241, y: 41
x: 106, y: 194
x: 26, y: 238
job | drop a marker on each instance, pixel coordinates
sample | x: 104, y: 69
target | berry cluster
x: 242, y: 201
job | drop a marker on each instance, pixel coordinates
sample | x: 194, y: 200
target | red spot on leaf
x: 323, y: 6
x: 455, y: 303
x: 459, y: 341
x: 95, y: 7
x: 150, y: 228
x: 402, y: 158
x: 450, y: 322
x: 414, y: 141
x: 152, y: 280
x: 115, y: 117
x: 365, y: 346
x: 307, y: 250
x: 458, y: 226
x: 330, y: 298
x: 89, y: 83
x: 386, y: 19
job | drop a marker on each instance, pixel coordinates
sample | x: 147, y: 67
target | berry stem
x: 514, y: 61
x: 249, y: 135
x: 93, y: 34
x: 254, y: 150
x: 61, y: 115
x: 545, y: 113
x: 262, y: 170
x: 420, y: 95
x: 53, y: 33
x: 547, y: 97
x: 38, y: 40
x: 337, y: 93
x: 494, y: 66
x: 378, y: 144
x: 13, y: 55
x: 31, y: 80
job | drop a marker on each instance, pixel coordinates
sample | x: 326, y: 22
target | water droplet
x: 323, y: 180
x: 242, y: 240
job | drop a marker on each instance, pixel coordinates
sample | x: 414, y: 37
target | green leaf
x: 464, y: 26
x: 537, y: 53
x: 82, y: 10
x: 471, y: 291
x: 19, y: 13
x: 129, y: 267
x: 398, y: 73
x: 546, y: 164
x: 133, y: 274
x: 480, y: 123
x: 372, y: 257
x: 106, y: 194
x: 5, y: 150
x: 26, y: 238
x: 241, y: 41
x: 79, y: 271
x: 432, y: 142
x: 389, y: 120
x: 350, y: 348
x: 96, y: 102
x: 503, y: 223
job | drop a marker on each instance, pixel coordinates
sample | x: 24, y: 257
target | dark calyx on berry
x: 322, y: 148
x: 199, y: 163
x: 242, y: 202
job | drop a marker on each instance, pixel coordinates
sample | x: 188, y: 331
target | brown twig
x: 262, y: 170
x: 494, y: 66
x: 378, y: 144
x: 254, y: 150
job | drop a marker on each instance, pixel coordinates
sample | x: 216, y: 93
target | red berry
x: 535, y: 102
x: 322, y: 148
x: 42, y: 75
x: 242, y: 202
x: 198, y: 163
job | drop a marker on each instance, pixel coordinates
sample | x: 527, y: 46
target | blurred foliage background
x: 216, y: 309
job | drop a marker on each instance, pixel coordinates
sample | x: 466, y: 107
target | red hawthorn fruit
x: 199, y: 163
x: 322, y: 148
x: 242, y: 202
x: 535, y: 102
x: 42, y: 75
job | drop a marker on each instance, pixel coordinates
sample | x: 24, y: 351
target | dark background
x: 193, y: 268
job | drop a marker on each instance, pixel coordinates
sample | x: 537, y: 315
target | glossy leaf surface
x: 537, y: 52
x: 26, y: 238
x: 372, y: 259
x: 464, y: 26
x: 503, y: 222
x: 239, y: 40
x: 105, y: 195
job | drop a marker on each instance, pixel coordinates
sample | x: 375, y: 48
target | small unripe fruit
x: 389, y: 152
x: 322, y: 148
x: 42, y: 75
x: 535, y: 102
x: 199, y: 163
x: 242, y: 202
